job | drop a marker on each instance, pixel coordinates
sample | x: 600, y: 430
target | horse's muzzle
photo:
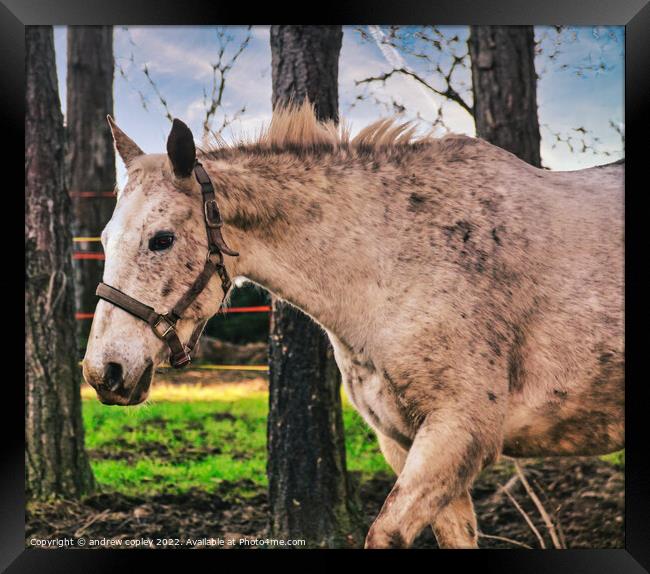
x: 112, y: 390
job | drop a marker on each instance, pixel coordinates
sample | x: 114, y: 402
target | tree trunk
x: 504, y: 84
x: 90, y: 158
x: 56, y: 463
x: 309, y: 493
x: 305, y: 64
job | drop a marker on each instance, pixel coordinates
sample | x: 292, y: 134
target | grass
x: 615, y: 458
x: 204, y: 437
x: 198, y: 438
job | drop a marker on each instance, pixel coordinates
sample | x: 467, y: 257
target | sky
x: 579, y: 87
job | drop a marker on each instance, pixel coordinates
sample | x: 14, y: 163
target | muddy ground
x: 583, y: 495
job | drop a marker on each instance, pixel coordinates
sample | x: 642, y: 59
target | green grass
x: 169, y: 446
x: 216, y: 439
x: 361, y: 448
x: 616, y: 458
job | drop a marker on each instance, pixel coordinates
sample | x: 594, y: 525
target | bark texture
x: 90, y: 158
x: 56, y: 462
x: 309, y: 491
x: 504, y: 84
x: 305, y: 64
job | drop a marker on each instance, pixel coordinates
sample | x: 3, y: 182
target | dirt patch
x: 222, y: 417
x: 585, y: 495
x: 164, y: 517
x: 120, y: 450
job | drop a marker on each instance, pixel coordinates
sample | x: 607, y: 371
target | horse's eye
x: 162, y: 240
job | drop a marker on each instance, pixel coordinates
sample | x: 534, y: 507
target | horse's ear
x: 181, y: 149
x: 124, y: 145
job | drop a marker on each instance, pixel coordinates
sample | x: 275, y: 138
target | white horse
x: 475, y: 303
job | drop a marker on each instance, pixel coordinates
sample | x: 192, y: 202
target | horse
x: 474, y: 302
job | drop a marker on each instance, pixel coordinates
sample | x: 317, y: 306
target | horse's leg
x: 447, y: 454
x: 455, y: 526
x: 394, y: 454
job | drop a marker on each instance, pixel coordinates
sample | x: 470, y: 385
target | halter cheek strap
x: 164, y: 324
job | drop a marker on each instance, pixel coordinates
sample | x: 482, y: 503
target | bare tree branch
x: 579, y: 140
x: 437, y: 57
x: 619, y: 128
x: 504, y: 539
x: 553, y: 41
x: 161, y: 99
x: 540, y: 507
x: 508, y: 486
x: 526, y: 518
x: 220, y: 70
x: 556, y: 512
x: 448, y: 93
x: 212, y: 100
x: 440, y: 64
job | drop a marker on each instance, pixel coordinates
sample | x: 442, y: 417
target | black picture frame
x: 633, y: 14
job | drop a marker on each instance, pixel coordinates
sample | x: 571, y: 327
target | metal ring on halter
x: 170, y: 326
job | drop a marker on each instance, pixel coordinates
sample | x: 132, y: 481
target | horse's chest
x: 369, y: 392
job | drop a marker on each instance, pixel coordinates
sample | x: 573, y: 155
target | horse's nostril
x: 113, y: 376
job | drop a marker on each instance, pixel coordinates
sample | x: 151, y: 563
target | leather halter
x: 164, y: 324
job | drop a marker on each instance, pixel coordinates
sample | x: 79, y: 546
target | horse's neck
x: 296, y: 236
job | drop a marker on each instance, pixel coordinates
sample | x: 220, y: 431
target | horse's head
x: 155, y: 246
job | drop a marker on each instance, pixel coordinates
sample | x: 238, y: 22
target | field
x: 191, y: 463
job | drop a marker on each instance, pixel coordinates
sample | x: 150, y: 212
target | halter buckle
x: 160, y: 319
x: 180, y: 361
x: 212, y: 214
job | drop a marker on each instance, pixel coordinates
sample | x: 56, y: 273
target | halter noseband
x: 164, y: 324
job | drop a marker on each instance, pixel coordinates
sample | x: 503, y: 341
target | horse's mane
x: 296, y: 128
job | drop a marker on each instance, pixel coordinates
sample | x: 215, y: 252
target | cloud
x: 195, y: 111
x: 161, y: 51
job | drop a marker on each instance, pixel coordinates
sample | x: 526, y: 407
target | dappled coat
x: 474, y: 302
